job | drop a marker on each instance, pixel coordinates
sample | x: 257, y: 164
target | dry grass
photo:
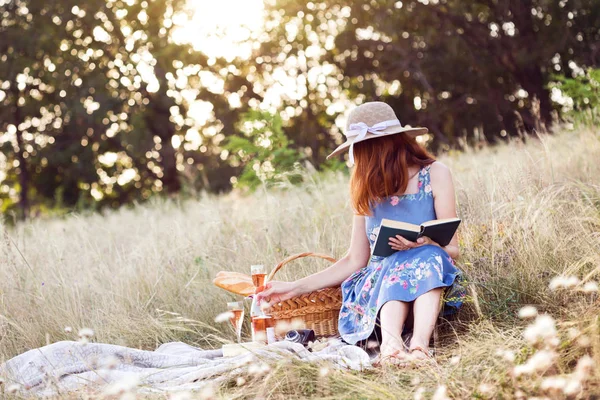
x: 530, y: 212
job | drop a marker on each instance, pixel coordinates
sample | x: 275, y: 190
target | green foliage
x: 264, y: 152
x: 583, y: 95
x: 334, y: 165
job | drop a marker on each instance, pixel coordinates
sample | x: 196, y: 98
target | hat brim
x: 414, y: 132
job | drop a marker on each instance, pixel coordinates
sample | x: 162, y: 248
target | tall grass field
x: 530, y: 248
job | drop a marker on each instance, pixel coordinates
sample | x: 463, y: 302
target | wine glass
x: 237, y: 309
x: 258, y: 275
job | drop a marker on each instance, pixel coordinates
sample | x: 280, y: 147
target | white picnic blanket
x: 67, y: 366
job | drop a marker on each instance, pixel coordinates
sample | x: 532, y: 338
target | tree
x: 41, y: 86
x: 263, y: 152
x: 98, y: 101
x: 465, y: 69
x: 92, y: 101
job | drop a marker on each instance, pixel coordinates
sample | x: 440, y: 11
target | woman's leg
x: 392, y: 317
x: 426, y: 309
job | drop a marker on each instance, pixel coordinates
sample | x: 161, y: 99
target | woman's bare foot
x: 393, y: 353
x: 419, y: 353
x: 418, y: 350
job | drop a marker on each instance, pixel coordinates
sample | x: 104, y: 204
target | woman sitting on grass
x: 394, y: 178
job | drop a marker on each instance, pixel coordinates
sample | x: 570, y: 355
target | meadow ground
x: 141, y: 276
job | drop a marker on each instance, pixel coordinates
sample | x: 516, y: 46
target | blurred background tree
x: 264, y: 152
x: 582, y: 96
x: 107, y: 102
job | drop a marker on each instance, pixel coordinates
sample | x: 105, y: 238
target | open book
x: 440, y: 231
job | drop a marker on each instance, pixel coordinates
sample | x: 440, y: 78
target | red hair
x: 381, y: 169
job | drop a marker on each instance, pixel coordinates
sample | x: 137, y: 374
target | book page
x: 400, y: 225
x: 439, y: 221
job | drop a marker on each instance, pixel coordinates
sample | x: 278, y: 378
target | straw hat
x: 370, y: 121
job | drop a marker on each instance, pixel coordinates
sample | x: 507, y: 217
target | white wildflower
x: 507, y: 355
x: 68, y: 329
x: 127, y: 384
x: 552, y: 341
x: 324, y: 371
x: 264, y: 368
x: 572, y: 387
x: 571, y: 281
x: 519, y: 395
x: 485, y: 389
x: 528, y: 312
x: 523, y: 369
x: 415, y: 381
x: 563, y: 282
x: 86, y: 333
x: 572, y: 333
x: 542, y: 330
x: 540, y: 361
x: 557, y: 282
x: 419, y: 393
x: 441, y: 393
x: 584, y: 368
x: 258, y: 369
x: 590, y: 287
x: 254, y: 369
x: 455, y: 360
x: 584, y: 341
x: 557, y: 383
x: 240, y: 381
x: 207, y: 392
x: 12, y: 389
x: 224, y: 317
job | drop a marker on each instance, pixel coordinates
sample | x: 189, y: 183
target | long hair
x: 381, y: 168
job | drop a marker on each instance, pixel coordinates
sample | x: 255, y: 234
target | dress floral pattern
x: 404, y: 275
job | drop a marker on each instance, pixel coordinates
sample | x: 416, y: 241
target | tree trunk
x: 533, y: 82
x: 531, y: 77
x: 24, y: 174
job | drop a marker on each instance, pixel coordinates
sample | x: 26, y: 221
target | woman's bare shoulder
x: 439, y: 171
x: 441, y: 180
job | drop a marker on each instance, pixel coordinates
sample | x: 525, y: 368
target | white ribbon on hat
x: 360, y: 129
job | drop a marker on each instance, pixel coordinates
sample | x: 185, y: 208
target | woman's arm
x: 356, y: 258
x: 444, y: 203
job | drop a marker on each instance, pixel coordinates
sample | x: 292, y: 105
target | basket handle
x: 294, y: 257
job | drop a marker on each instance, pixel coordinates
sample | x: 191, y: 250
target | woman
x: 394, y: 178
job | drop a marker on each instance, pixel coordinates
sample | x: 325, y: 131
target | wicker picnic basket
x: 317, y: 310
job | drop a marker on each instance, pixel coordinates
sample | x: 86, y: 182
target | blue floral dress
x: 404, y: 275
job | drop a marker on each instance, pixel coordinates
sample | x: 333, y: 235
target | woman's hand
x: 423, y: 240
x: 275, y: 292
x: 400, y: 243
